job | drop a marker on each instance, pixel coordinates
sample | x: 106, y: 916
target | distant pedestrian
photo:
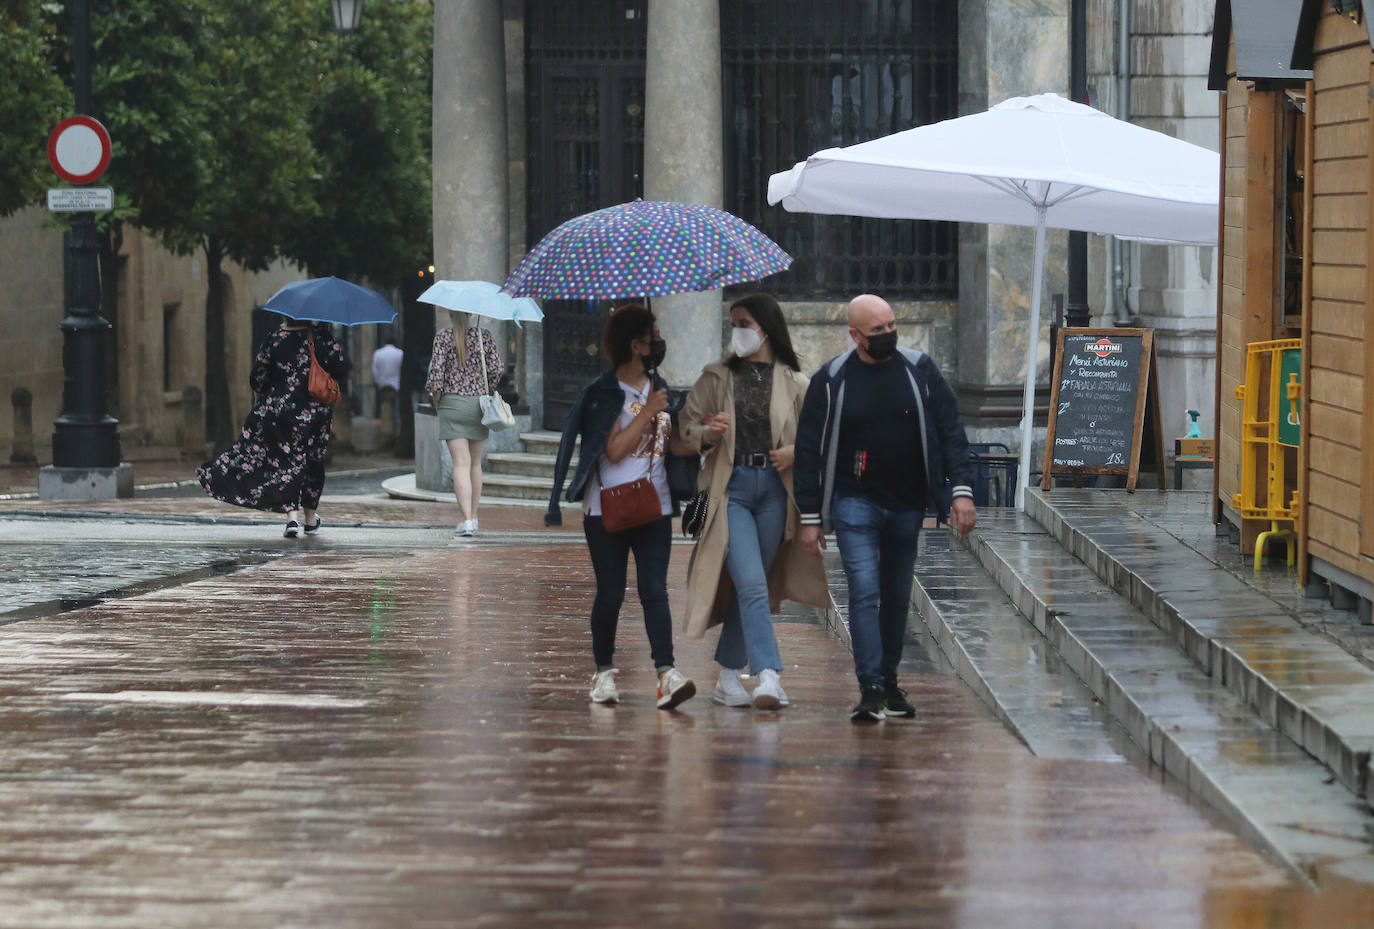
x: 386, y: 365
x: 459, y: 372
x: 278, y: 462
x: 626, y: 433
x: 386, y: 372
x: 742, y: 413
x: 879, y: 435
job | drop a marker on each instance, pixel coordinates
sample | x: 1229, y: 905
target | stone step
x: 515, y: 486
x: 1188, y: 723
x: 522, y: 463
x: 1309, y: 688
x: 542, y: 442
x: 1007, y: 662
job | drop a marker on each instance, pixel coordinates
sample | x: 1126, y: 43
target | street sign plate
x: 80, y: 199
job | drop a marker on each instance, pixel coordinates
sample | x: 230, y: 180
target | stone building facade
x: 156, y: 350
x: 672, y: 94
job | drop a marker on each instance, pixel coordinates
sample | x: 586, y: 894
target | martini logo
x: 1104, y: 347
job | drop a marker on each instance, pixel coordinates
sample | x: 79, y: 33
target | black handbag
x: 694, y: 513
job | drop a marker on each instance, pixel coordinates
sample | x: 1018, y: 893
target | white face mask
x: 746, y: 341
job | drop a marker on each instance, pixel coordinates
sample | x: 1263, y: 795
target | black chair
x: 995, y: 471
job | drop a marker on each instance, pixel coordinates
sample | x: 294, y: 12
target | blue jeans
x: 878, y: 549
x: 757, y: 516
x: 610, y: 551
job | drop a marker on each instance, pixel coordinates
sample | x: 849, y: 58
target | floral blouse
x: 445, y: 374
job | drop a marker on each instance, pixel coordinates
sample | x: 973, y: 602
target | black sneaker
x: 895, y: 701
x: 870, y: 708
x: 311, y: 530
x: 292, y: 530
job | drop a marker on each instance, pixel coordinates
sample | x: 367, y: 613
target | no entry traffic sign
x: 79, y: 149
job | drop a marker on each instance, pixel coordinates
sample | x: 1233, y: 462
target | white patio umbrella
x: 1039, y: 161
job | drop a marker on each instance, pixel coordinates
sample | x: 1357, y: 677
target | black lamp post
x: 348, y: 15
x: 1076, y: 313
x: 84, y: 436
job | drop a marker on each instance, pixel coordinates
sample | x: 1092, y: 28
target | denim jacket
x: 592, y: 418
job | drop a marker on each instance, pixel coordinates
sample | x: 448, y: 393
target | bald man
x: 878, y: 441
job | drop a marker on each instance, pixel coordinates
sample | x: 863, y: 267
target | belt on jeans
x: 753, y: 460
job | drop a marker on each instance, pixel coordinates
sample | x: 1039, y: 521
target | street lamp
x: 348, y: 15
x: 85, y: 441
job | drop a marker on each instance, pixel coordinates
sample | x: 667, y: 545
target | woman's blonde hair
x: 458, y: 322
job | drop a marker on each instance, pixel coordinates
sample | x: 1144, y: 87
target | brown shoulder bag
x: 321, y: 385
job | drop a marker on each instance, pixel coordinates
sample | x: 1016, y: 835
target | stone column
x: 1007, y: 48
x: 684, y: 158
x: 470, y: 219
x: 471, y: 215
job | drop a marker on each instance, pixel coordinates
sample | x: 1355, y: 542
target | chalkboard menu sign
x: 1104, y: 390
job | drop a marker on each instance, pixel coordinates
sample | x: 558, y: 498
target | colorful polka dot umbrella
x: 646, y: 248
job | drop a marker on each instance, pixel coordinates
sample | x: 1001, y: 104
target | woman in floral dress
x: 458, y: 375
x: 278, y: 462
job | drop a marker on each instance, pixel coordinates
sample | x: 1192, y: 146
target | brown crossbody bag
x: 634, y: 503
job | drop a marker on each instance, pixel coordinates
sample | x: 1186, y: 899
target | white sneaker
x: 730, y: 689
x: 768, y: 695
x: 466, y: 528
x: 603, y: 687
x: 673, y: 688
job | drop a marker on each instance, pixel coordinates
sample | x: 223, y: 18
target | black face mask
x: 658, y: 350
x: 882, y: 345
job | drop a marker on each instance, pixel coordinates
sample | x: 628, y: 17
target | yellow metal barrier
x: 1270, y: 421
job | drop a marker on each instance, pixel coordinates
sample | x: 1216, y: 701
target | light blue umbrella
x: 331, y: 300
x: 483, y: 299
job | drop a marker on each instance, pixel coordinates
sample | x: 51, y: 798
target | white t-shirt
x: 646, y: 459
x: 386, y: 367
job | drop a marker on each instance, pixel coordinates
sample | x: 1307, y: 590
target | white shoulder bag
x: 496, y: 413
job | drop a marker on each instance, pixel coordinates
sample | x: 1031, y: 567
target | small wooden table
x: 1189, y: 463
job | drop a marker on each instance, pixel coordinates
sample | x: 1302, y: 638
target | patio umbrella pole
x: 1032, y: 344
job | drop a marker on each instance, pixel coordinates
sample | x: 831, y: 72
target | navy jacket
x: 592, y: 418
x: 947, y: 457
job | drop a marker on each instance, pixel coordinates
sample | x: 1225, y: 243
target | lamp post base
x: 86, y: 483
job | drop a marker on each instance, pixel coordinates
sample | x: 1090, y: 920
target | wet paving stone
x: 401, y: 737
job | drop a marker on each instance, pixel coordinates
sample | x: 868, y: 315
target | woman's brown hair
x: 627, y: 323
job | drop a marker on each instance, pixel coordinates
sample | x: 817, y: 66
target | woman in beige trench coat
x: 742, y: 414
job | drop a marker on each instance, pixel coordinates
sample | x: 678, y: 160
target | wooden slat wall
x: 1336, y: 346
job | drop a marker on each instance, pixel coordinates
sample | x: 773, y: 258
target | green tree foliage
x: 244, y: 130
x: 34, y: 98
x: 370, y: 125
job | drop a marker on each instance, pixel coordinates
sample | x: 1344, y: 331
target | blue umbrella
x: 645, y: 248
x: 331, y: 300
x: 483, y: 299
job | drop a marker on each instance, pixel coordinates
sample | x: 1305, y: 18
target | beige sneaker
x: 673, y: 688
x: 603, y: 687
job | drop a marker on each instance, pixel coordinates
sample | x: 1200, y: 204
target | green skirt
x: 460, y: 417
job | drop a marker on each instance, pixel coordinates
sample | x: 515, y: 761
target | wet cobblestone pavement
x: 204, y: 724
x: 391, y: 729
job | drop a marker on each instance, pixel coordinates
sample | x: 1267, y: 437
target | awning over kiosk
x: 1304, y: 50
x: 1266, y: 37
